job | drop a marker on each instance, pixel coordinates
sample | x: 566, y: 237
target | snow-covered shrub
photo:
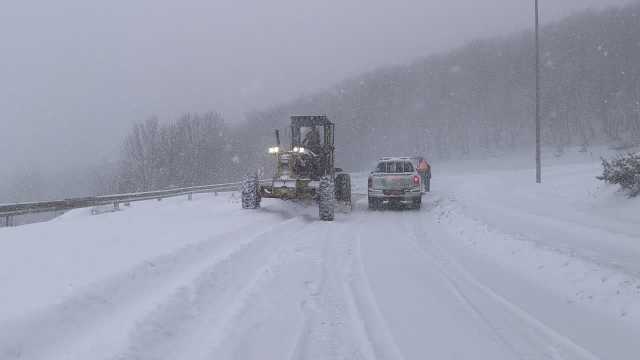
x: 623, y: 170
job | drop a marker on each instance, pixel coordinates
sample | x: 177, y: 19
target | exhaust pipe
x: 278, y: 138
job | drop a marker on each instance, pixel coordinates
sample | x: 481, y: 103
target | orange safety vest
x: 423, y: 166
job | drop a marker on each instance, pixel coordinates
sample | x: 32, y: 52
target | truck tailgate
x: 392, y: 181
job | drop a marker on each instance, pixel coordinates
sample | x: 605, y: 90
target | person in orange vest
x: 424, y: 169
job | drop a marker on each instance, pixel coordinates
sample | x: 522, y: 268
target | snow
x: 493, y: 267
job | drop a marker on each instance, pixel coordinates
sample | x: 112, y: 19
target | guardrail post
x: 7, y: 220
x: 116, y: 205
x: 190, y: 196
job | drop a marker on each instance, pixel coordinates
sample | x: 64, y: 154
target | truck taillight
x: 416, y: 180
x: 370, y: 182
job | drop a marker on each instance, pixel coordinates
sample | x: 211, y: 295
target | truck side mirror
x: 339, y: 170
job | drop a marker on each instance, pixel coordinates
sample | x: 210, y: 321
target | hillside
x: 473, y: 102
x: 479, y: 99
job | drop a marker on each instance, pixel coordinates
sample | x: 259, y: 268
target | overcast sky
x: 75, y: 74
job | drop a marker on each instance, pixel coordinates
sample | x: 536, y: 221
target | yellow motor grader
x: 304, y: 171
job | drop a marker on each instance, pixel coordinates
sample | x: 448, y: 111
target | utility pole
x: 538, y: 160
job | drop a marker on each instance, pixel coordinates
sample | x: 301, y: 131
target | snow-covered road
x: 490, y: 268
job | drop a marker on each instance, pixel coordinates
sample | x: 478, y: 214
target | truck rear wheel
x: 417, y: 203
x: 326, y: 205
x: 375, y: 203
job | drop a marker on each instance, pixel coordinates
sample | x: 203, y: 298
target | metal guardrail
x: 8, y: 211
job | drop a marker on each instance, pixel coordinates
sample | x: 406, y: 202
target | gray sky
x: 75, y: 74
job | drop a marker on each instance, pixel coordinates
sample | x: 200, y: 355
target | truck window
x: 408, y: 167
x: 394, y: 167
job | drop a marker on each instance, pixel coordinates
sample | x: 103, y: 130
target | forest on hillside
x: 477, y: 100
x: 480, y: 99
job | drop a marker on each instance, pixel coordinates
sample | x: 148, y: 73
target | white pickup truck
x: 396, y: 181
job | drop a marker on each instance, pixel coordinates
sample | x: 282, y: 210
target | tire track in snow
x: 546, y: 342
x: 77, y: 327
x: 309, y: 308
x: 321, y: 335
x: 194, y: 320
x: 263, y: 276
x: 380, y: 340
x: 341, y: 320
x: 466, y: 302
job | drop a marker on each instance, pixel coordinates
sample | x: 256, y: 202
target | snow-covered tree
x: 623, y: 170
